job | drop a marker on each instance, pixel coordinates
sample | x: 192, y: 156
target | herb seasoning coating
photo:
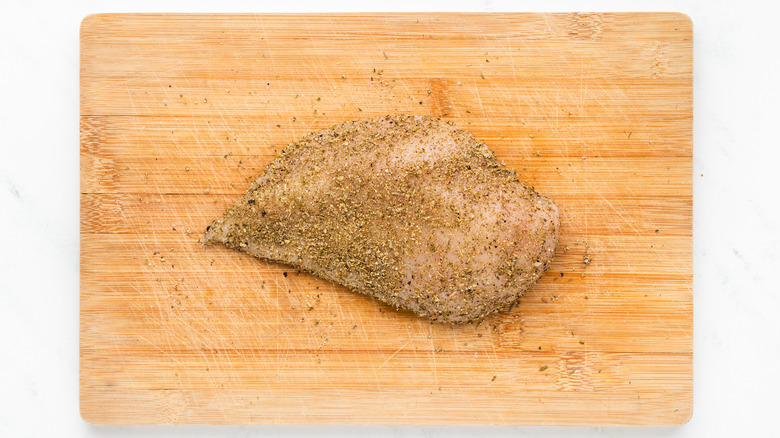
x: 410, y: 210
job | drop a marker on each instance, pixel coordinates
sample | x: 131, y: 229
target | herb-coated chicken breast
x: 412, y: 211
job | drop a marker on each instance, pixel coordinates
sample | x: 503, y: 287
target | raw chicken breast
x: 412, y: 211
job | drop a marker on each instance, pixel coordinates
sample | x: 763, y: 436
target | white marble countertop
x: 736, y: 216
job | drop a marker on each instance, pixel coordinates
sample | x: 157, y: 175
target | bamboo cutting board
x: 180, y: 112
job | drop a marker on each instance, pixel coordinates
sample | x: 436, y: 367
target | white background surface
x: 736, y: 215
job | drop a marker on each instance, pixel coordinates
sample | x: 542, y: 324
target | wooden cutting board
x: 180, y: 112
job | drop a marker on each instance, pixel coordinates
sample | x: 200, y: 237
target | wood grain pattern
x: 180, y: 112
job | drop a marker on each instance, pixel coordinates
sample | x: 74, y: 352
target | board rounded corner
x: 90, y: 21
